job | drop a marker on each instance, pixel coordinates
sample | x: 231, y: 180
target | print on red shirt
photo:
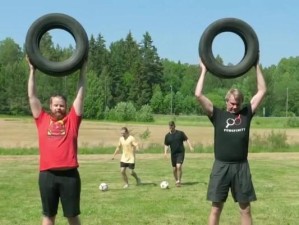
x: 56, y: 128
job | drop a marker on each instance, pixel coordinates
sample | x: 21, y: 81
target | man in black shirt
x: 231, y: 137
x: 175, y: 141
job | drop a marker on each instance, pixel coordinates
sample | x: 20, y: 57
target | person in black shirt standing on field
x: 231, y: 137
x: 175, y: 141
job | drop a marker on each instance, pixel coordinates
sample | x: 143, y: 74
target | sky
x: 174, y: 25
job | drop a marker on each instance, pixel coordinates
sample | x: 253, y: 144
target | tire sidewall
x: 249, y: 38
x: 56, y: 21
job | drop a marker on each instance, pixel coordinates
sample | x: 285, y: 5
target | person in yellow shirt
x: 129, y: 146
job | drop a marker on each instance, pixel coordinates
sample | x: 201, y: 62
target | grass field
x: 275, y: 175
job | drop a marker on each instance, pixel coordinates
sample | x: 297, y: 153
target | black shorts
x: 63, y: 185
x: 233, y: 176
x: 177, y: 158
x: 130, y: 165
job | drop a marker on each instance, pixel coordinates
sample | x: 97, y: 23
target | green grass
x: 275, y: 176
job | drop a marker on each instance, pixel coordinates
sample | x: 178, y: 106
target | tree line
x: 130, y: 78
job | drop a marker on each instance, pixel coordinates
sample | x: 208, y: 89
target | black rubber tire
x: 56, y: 21
x: 245, y: 32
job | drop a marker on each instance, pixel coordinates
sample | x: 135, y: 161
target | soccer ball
x: 164, y: 184
x: 103, y: 187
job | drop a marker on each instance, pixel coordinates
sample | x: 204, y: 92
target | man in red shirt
x: 58, y: 145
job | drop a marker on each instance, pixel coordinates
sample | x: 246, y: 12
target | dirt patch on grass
x: 22, y: 133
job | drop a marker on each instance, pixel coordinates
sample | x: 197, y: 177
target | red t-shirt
x: 58, y: 143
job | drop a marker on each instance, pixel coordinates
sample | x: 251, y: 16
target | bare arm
x: 136, y: 145
x: 136, y: 148
x: 115, y: 152
x: 190, y: 146
x: 261, y: 89
x: 79, y: 100
x: 166, y: 147
x: 34, y: 102
x: 206, y: 104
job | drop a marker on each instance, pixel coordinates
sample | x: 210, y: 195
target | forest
x: 128, y: 80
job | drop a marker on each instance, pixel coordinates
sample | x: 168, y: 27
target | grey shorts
x: 233, y: 176
x: 63, y: 185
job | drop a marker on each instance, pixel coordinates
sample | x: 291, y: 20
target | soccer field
x: 275, y: 176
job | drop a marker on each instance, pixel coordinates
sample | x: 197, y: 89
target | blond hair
x: 238, y: 95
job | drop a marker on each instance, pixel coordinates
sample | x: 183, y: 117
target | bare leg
x: 174, y: 170
x: 179, y: 168
x: 48, y: 220
x: 124, y: 176
x: 74, y: 220
x: 215, y: 213
x: 245, y: 212
x: 134, y: 174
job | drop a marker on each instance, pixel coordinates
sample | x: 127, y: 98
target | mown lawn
x: 275, y: 175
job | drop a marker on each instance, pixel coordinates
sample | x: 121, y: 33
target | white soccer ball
x: 164, y: 184
x: 103, y: 187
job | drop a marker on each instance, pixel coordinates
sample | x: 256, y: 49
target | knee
x: 245, y: 209
x: 74, y: 220
x: 49, y: 220
x: 216, y: 209
x: 178, y: 166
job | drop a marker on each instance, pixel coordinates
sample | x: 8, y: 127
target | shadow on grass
x: 148, y: 184
x: 193, y: 183
x: 134, y: 186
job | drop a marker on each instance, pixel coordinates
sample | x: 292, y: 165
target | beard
x: 58, y: 115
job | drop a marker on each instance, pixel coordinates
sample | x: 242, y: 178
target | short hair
x: 125, y: 129
x: 238, y: 95
x: 58, y: 96
x: 171, y: 123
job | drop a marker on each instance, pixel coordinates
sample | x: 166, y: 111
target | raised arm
x: 79, y: 100
x: 261, y: 89
x: 34, y: 102
x: 206, y: 104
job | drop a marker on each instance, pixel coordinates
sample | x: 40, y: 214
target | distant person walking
x: 174, y: 140
x: 129, y: 146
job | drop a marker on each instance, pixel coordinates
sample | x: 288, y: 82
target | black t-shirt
x: 176, y: 141
x: 231, y: 134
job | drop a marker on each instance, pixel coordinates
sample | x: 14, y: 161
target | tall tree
x: 117, y: 70
x: 132, y: 66
x: 10, y: 52
x: 151, y: 72
x: 98, y: 54
x: 11, y: 78
x: 156, y: 101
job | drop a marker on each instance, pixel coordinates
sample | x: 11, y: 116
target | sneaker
x: 138, y: 181
x: 126, y: 186
x: 178, y: 183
